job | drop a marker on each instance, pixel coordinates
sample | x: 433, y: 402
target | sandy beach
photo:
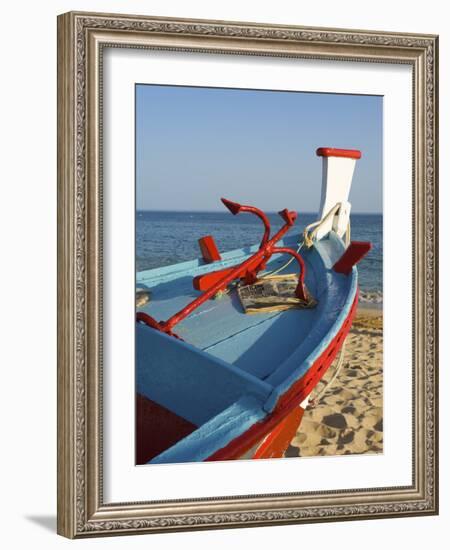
x: 348, y: 416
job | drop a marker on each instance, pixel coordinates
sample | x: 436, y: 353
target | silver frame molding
x: 81, y: 38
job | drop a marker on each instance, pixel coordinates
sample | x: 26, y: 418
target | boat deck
x: 221, y: 328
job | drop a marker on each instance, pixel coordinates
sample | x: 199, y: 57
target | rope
x: 315, y: 400
x: 348, y: 234
x: 283, y: 267
x: 308, y: 237
x: 308, y: 240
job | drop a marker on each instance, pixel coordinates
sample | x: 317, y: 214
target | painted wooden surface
x: 233, y: 368
x: 290, y: 399
x: 157, y: 429
x: 200, y: 445
x: 338, y: 166
x: 277, y: 441
x: 193, y: 384
x: 353, y: 255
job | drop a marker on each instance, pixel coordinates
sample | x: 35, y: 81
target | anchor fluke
x: 233, y: 207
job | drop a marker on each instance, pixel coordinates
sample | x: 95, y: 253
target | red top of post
x: 331, y: 152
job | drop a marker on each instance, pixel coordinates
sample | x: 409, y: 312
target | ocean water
x: 164, y: 238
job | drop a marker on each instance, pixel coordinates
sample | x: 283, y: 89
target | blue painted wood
x: 172, y: 289
x: 231, y: 357
x: 213, y: 435
x: 336, y: 296
x: 187, y: 381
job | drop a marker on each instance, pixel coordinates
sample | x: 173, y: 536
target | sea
x: 164, y: 238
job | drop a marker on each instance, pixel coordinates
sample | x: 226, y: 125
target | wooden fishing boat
x: 229, y: 347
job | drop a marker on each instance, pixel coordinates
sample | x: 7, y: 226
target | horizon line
x: 224, y: 211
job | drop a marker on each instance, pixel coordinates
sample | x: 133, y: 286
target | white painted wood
x: 340, y: 220
x: 337, y: 174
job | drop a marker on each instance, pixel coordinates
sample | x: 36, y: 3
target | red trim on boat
x: 354, y: 254
x: 331, y: 152
x: 209, y: 250
x: 157, y: 429
x: 291, y: 399
x: 278, y: 440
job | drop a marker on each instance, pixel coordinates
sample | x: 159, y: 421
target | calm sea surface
x: 164, y: 238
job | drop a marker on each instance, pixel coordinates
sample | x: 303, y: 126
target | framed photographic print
x: 247, y: 284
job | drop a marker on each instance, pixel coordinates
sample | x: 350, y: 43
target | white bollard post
x: 338, y: 166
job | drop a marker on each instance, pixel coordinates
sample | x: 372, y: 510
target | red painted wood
x: 303, y: 387
x: 278, y: 440
x: 209, y: 250
x: 157, y: 429
x: 354, y: 253
x: 332, y: 152
x: 206, y: 281
x: 291, y: 399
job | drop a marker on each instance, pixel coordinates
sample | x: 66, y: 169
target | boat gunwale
x: 166, y: 273
x: 285, y: 404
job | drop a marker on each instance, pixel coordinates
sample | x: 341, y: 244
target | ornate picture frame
x: 82, y: 38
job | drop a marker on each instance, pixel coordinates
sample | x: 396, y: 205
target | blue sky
x: 195, y: 145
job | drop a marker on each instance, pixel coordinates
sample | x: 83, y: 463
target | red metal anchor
x: 213, y: 282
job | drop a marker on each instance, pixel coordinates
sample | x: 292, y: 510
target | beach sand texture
x: 348, y: 417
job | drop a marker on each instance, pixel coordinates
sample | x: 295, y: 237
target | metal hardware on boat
x: 236, y: 208
x: 212, y: 283
x: 249, y: 275
x: 142, y: 317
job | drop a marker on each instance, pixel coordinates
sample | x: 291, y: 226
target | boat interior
x: 229, y: 367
